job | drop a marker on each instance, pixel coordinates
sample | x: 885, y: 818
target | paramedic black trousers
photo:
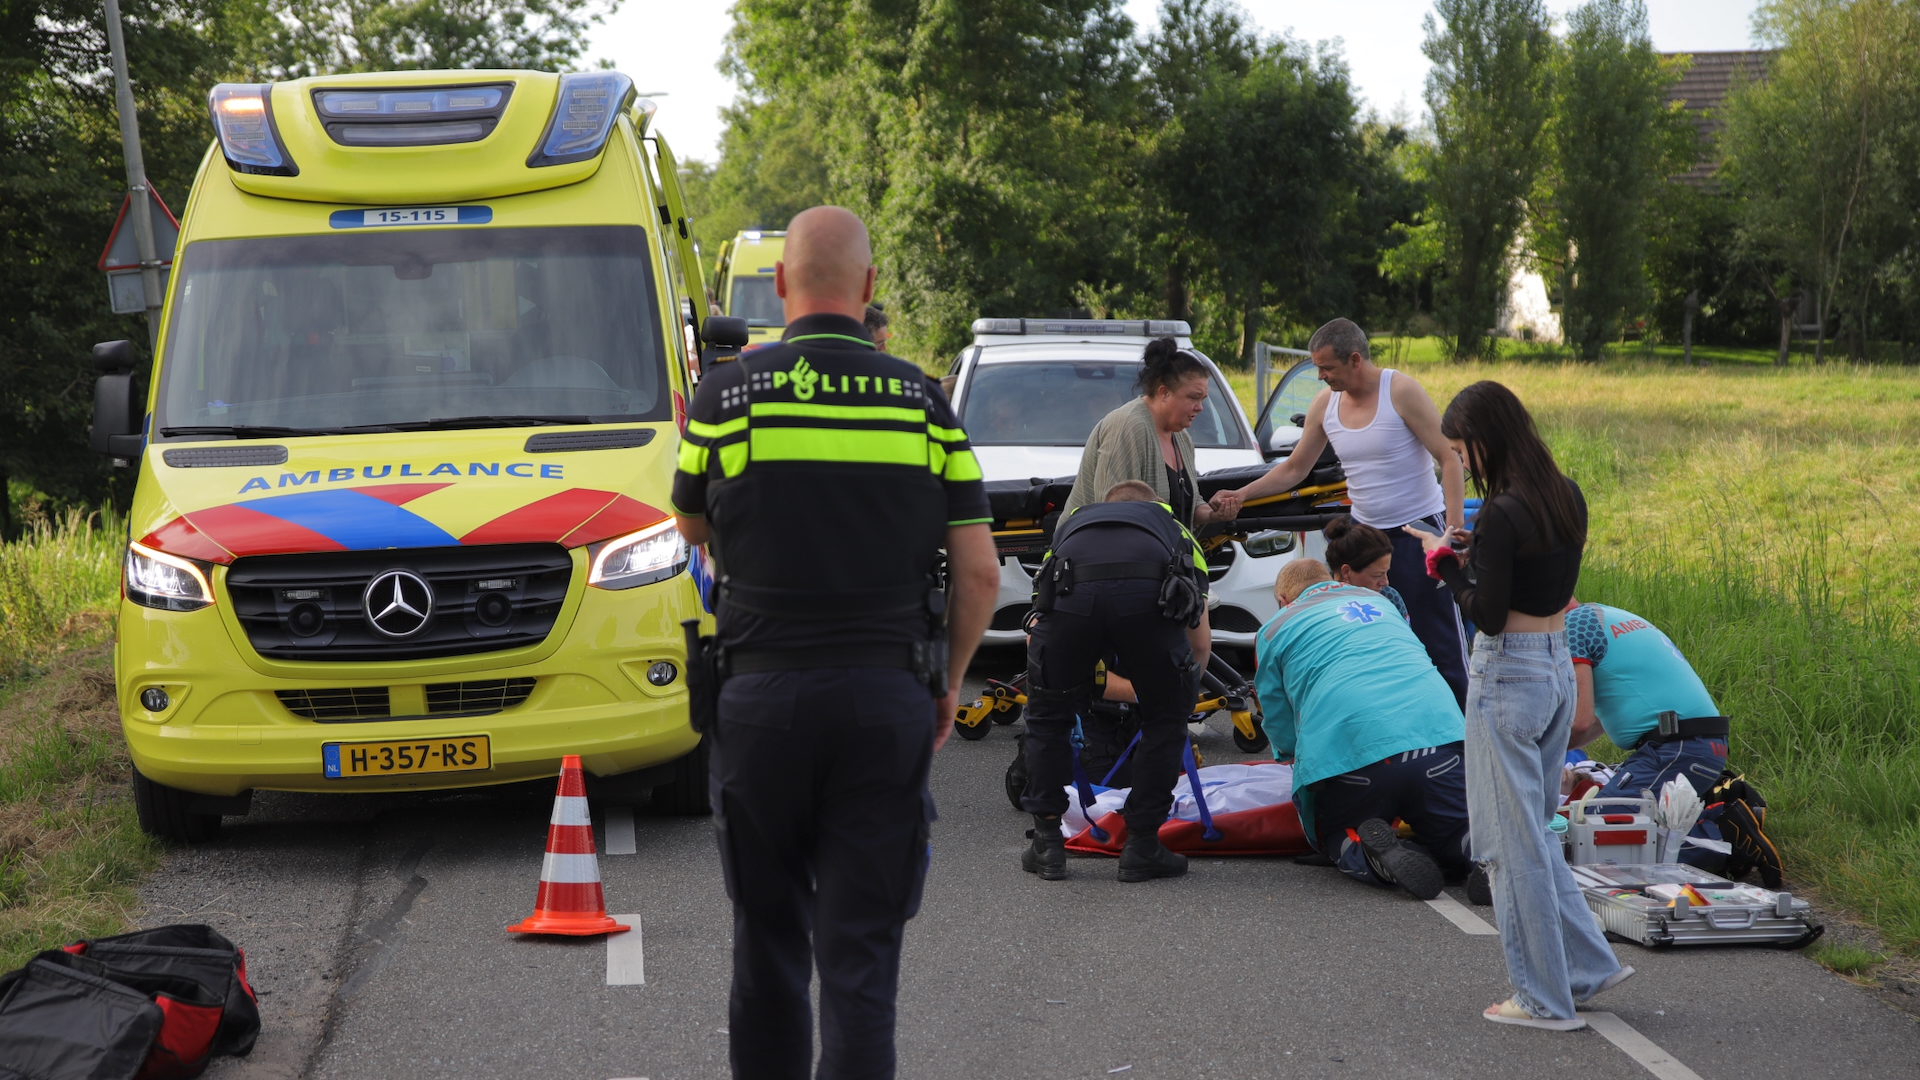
x: 1098, y: 620
x: 822, y: 812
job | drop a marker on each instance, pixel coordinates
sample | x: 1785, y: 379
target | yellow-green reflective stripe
x: 961, y: 466
x: 714, y: 431
x: 733, y: 459
x: 836, y: 412
x: 946, y: 434
x: 693, y: 458
x: 827, y: 444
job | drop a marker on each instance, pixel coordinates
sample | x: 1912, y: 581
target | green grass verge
x: 71, y: 851
x: 1846, y: 959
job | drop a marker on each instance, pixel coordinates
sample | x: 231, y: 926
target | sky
x: 672, y: 47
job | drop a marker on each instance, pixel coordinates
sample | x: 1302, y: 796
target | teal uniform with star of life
x: 1639, y: 673
x: 1345, y: 687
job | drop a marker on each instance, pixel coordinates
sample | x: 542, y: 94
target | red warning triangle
x: 123, y: 251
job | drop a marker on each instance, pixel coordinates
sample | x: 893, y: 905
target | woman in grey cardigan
x: 1146, y: 439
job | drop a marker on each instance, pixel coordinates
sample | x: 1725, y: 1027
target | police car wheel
x: 973, y: 732
x: 1254, y: 745
x: 1012, y: 715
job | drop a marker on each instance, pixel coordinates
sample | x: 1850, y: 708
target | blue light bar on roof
x: 583, y: 114
x: 1082, y: 327
x: 344, y: 104
x: 243, y: 121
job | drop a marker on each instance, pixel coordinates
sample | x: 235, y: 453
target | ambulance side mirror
x: 116, y: 417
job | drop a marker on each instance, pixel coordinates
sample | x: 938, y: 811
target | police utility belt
x: 1181, y: 598
x: 710, y: 664
x: 1673, y: 729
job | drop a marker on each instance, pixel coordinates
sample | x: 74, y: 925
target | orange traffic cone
x: 570, y: 900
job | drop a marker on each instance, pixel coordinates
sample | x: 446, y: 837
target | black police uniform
x: 829, y: 473
x: 1115, y: 558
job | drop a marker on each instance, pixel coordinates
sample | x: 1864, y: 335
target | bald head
x: 827, y: 266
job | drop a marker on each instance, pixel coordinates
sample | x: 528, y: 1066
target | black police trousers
x: 822, y: 813
x: 1098, y: 620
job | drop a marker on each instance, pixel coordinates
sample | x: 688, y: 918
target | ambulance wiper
x: 451, y: 423
x: 252, y: 431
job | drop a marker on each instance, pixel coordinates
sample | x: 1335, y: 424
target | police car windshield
x: 461, y: 327
x: 755, y: 301
x: 1056, y: 403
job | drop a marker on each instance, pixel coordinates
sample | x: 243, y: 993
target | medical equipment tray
x: 1735, y: 914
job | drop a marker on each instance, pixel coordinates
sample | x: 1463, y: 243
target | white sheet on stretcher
x: 1228, y: 788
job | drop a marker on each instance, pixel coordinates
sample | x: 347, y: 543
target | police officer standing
x: 1124, y: 582
x: 827, y: 477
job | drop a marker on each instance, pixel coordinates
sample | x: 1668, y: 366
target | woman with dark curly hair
x: 1513, y: 581
x: 1359, y: 554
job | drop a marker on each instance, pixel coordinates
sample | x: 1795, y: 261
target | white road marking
x: 1461, y: 916
x: 1638, y: 1047
x: 620, y: 831
x: 626, y: 959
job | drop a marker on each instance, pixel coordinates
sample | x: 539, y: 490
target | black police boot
x: 1480, y: 886
x: 1145, y: 858
x: 1398, y: 861
x: 1047, y: 855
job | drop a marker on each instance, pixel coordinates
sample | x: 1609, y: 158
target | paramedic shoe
x: 1144, y: 858
x: 1047, y: 855
x: 1480, y: 886
x: 1398, y: 861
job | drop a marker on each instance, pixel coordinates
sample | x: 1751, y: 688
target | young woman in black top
x: 1514, y: 580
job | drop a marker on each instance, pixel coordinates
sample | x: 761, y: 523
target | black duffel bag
x: 195, y: 951
x: 61, y: 1023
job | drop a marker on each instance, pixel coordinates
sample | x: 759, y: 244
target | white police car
x: 1029, y: 391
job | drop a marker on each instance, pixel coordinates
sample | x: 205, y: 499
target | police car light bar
x: 426, y: 117
x: 583, y: 115
x: 243, y: 122
x: 1125, y: 327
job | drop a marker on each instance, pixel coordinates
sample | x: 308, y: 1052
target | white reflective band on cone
x: 570, y: 869
x: 571, y: 810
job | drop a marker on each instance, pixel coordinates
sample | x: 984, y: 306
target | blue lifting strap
x: 1081, y: 785
x: 1208, y: 833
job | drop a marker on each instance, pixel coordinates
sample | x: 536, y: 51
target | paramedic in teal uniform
x: 1349, y: 695
x: 1629, y: 673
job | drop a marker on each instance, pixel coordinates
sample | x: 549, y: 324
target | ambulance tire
x: 1254, y: 745
x: 164, y: 814
x: 686, y: 794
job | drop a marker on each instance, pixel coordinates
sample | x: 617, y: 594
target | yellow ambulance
x: 403, y: 458
x: 743, y: 284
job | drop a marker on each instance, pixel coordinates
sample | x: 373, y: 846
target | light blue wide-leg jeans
x: 1520, y: 702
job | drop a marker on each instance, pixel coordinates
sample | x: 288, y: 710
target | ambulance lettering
x: 523, y: 470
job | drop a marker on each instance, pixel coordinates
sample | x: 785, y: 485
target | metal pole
x: 142, y: 205
x: 1259, y: 377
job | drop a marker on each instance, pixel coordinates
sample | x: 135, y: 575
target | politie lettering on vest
x: 828, y: 681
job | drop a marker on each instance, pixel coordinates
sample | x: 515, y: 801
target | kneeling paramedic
x: 827, y: 687
x: 1637, y: 688
x: 1350, y: 695
x: 1125, y: 581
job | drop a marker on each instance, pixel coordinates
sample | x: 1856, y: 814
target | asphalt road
x: 374, y: 928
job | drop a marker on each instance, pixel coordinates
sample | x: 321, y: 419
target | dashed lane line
x: 1638, y: 1047
x: 626, y: 959
x: 620, y: 839
x: 1461, y: 916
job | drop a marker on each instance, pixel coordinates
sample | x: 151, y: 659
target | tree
x: 319, y: 37
x: 1489, y: 93
x: 1612, y: 139
x: 1825, y: 156
x: 1263, y: 168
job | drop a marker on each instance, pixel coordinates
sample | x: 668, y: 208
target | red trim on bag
x: 185, y: 1040
x: 241, y: 967
x: 78, y: 948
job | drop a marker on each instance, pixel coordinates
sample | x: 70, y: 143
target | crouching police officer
x: 1124, y: 580
x: 829, y: 684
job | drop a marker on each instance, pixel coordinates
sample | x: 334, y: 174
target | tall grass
x: 57, y: 585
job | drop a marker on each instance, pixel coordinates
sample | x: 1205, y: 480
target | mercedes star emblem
x: 398, y: 603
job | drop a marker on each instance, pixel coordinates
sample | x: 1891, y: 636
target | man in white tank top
x: 1386, y: 431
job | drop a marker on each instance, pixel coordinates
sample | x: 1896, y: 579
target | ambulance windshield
x: 417, y: 328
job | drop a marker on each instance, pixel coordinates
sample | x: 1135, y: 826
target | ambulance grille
x: 1233, y: 620
x: 479, y: 696
x: 340, y: 703
x: 486, y: 598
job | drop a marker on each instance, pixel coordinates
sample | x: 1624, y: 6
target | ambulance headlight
x: 655, y: 553
x: 156, y: 579
x: 583, y: 114
x: 243, y: 120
